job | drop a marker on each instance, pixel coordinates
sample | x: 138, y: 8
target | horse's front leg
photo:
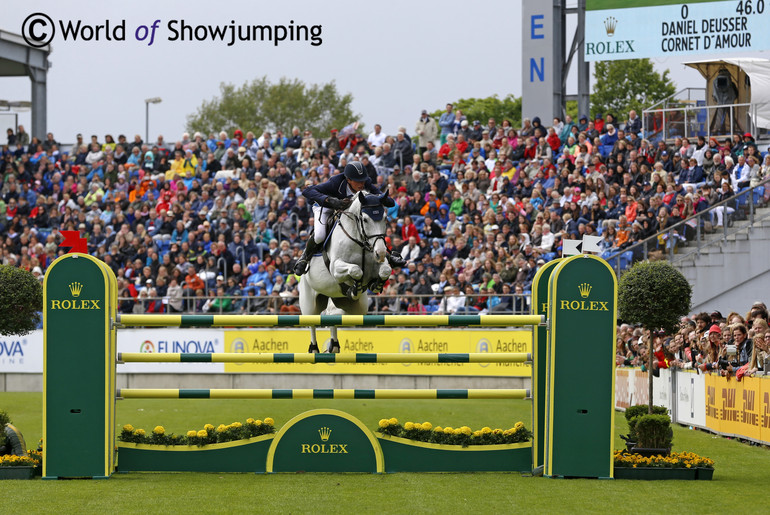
x: 344, y: 272
x: 383, y: 274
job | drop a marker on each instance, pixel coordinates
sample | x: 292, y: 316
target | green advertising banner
x: 79, y: 358
x: 581, y: 369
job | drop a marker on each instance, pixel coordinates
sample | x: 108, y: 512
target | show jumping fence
x: 80, y: 391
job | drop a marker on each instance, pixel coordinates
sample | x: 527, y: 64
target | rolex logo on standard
x: 610, y: 24
x: 76, y: 288
x: 324, y: 448
x: 585, y: 290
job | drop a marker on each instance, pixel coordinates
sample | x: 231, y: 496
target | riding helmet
x: 355, y: 171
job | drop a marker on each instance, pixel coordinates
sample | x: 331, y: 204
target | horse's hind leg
x: 334, y: 342
x: 313, y: 349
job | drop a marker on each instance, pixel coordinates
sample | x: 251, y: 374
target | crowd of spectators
x: 216, y: 221
x: 731, y: 346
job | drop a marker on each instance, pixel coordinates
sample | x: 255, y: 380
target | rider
x: 335, y: 195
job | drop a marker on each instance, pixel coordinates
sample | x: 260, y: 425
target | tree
x: 655, y: 295
x: 21, y: 300
x: 483, y: 109
x: 628, y: 84
x: 261, y: 105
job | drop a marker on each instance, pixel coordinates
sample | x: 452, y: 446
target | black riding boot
x: 311, y: 248
x: 396, y: 260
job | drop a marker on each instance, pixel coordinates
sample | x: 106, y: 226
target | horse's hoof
x: 313, y: 349
x: 334, y: 347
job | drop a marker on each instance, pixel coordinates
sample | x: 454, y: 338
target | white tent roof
x: 758, y: 71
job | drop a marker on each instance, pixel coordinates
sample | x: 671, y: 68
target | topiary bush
x: 655, y: 295
x: 633, y: 413
x: 21, y: 301
x: 654, y: 431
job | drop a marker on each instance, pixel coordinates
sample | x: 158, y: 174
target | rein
x: 364, y: 241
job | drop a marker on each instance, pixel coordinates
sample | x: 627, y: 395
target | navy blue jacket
x: 337, y: 187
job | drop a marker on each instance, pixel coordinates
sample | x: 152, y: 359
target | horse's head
x: 371, y: 209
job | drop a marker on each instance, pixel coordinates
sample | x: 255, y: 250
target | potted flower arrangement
x: 685, y: 465
x: 464, y: 436
x: 208, y: 435
x: 17, y: 467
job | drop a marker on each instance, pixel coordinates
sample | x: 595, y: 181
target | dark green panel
x: 192, y: 393
x: 193, y: 357
x: 366, y: 357
x: 288, y: 320
x: 324, y: 443
x: 77, y: 352
x: 403, y: 457
x: 283, y: 358
x: 282, y: 394
x: 581, y: 353
x: 248, y: 457
x: 364, y: 394
x: 454, y: 358
x: 197, y: 321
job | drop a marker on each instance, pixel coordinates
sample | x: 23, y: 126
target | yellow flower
x: 438, y: 429
x: 192, y: 434
x: 257, y: 422
x: 159, y: 430
x: 477, y: 433
x: 384, y: 423
x: 409, y: 426
x: 486, y: 430
x: 128, y: 428
x: 497, y: 431
x: 208, y: 427
x: 393, y: 421
x: 249, y: 420
x: 139, y: 432
x: 202, y: 433
x: 427, y: 426
x: 465, y: 430
x: 269, y: 421
x: 458, y: 431
x: 236, y: 425
x: 448, y: 430
x: 221, y: 428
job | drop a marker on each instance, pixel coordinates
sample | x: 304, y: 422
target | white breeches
x: 321, y: 216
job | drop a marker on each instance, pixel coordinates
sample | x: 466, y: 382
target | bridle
x: 364, y: 241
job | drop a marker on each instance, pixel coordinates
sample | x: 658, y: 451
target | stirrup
x: 334, y: 347
x: 313, y: 349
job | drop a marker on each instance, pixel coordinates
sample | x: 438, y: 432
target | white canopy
x: 758, y: 71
